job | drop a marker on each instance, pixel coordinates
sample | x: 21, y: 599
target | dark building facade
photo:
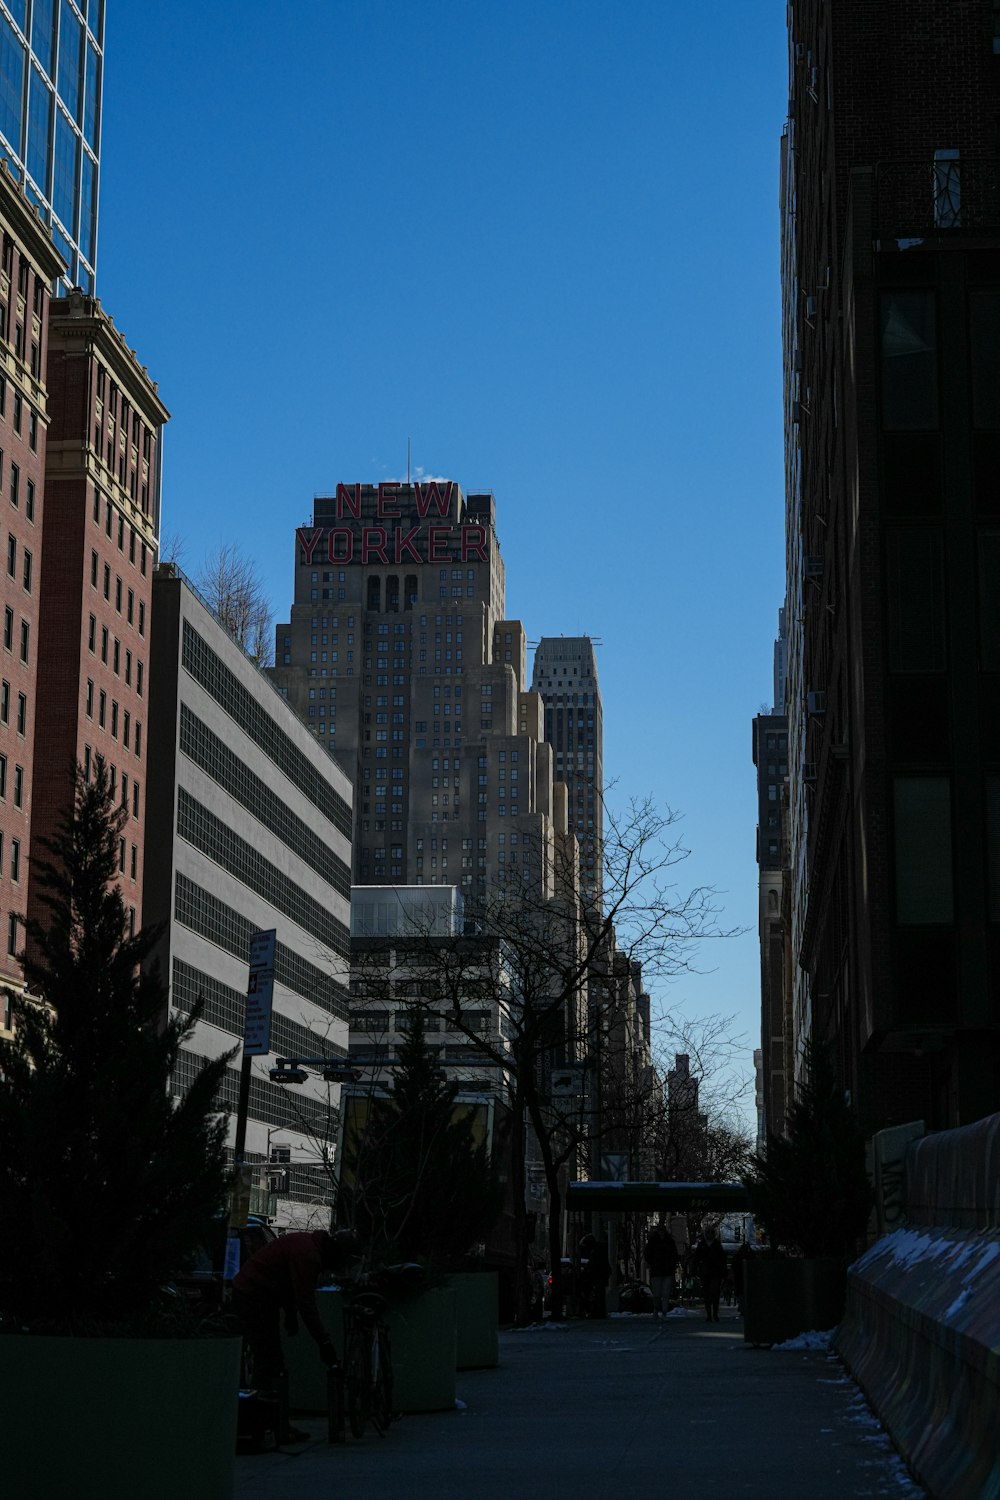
x: 891, y: 321
x: 770, y: 756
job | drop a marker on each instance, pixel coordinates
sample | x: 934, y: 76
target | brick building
x: 28, y: 265
x: 97, y: 555
x: 891, y: 320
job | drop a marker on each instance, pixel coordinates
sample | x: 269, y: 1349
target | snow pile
x: 811, y: 1340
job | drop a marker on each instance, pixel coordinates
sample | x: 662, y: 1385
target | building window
x: 916, y: 601
x: 909, y: 360
x: 923, y: 852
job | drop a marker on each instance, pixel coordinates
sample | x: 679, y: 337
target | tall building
x: 398, y: 656
x: 248, y: 829
x: 770, y: 757
x: 28, y: 266
x: 98, y: 545
x: 51, y: 74
x: 565, y: 677
x: 891, y: 321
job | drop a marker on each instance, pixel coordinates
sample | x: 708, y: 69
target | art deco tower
x: 398, y: 655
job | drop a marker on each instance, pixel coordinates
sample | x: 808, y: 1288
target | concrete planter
x: 477, y: 1319
x: 423, y: 1339
x: 119, y: 1417
x: 307, y: 1383
x: 783, y: 1298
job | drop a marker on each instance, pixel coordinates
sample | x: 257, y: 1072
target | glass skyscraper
x: 51, y: 65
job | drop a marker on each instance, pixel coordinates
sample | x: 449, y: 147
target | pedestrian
x: 708, y: 1260
x: 281, y: 1278
x: 660, y: 1256
x: 743, y: 1254
x: 595, y: 1273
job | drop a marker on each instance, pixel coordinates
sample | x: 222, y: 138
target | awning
x: 658, y: 1197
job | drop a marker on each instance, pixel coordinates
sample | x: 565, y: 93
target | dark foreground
x: 677, y: 1409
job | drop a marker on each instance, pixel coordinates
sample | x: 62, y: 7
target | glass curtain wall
x: 51, y: 66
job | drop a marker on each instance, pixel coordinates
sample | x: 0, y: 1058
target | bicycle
x: 359, y: 1391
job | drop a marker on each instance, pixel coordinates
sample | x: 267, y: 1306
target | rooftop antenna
x: 407, y: 460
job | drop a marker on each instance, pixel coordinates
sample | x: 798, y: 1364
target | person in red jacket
x: 281, y: 1277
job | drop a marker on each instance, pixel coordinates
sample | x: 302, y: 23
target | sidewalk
x: 679, y: 1409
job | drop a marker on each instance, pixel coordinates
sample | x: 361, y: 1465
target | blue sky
x: 539, y: 239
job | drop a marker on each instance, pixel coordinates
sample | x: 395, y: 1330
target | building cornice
x: 27, y: 226
x: 78, y: 323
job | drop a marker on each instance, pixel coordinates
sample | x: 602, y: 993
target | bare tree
x: 234, y: 589
x: 540, y: 963
x: 173, y: 548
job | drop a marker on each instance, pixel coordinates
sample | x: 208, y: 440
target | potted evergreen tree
x: 810, y: 1193
x: 423, y: 1188
x: 107, y: 1186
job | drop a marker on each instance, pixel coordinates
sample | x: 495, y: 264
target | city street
x: 679, y: 1409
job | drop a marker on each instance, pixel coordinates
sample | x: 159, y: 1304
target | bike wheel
x: 357, y: 1385
x: 336, y: 1430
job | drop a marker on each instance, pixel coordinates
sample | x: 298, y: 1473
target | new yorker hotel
x: 399, y: 658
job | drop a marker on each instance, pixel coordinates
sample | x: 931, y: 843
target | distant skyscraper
x: 565, y: 676
x: 51, y: 69
x: 399, y: 657
x: 780, y: 663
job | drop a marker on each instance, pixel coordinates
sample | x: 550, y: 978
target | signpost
x: 256, y: 1043
x: 260, y: 993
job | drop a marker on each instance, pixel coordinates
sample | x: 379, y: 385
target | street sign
x: 566, y: 1083
x: 260, y: 993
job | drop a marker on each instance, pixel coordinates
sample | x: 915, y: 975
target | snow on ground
x: 811, y: 1340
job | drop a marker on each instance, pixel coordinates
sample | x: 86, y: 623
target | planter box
x: 119, y: 1417
x: 783, y: 1298
x: 307, y: 1385
x: 477, y: 1318
x: 423, y: 1340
